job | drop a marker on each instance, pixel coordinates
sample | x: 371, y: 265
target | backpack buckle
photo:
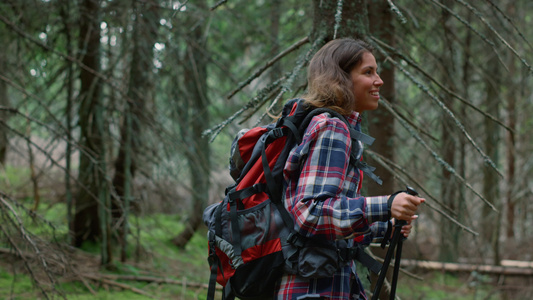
x: 295, y: 239
x: 276, y: 132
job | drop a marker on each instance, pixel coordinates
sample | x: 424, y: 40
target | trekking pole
x: 396, y: 240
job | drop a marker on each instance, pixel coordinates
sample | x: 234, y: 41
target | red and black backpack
x: 252, y: 240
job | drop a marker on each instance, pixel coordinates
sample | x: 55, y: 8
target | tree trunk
x: 65, y: 16
x: 275, y: 11
x: 4, y: 115
x: 91, y: 220
x: 275, y: 70
x: 449, y: 234
x: 194, y: 116
x: 380, y: 124
x: 140, y: 92
x: 510, y: 144
x: 490, y: 220
x: 380, y: 121
x: 352, y: 23
x: 355, y: 23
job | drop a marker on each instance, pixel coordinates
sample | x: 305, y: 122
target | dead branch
x: 441, y: 85
x: 267, y: 65
x: 390, y: 166
x: 424, y: 88
x: 117, y: 284
x: 152, y: 279
x: 460, y: 267
x: 219, y: 3
x: 435, y: 155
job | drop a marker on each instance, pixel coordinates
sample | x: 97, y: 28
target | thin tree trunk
x: 140, y: 92
x: 4, y: 115
x: 91, y: 218
x: 449, y: 234
x: 275, y: 11
x: 65, y: 15
x: 275, y: 70
x: 510, y: 145
x: 490, y: 220
x: 194, y: 122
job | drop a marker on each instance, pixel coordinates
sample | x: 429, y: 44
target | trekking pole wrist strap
x: 389, y: 202
x: 408, y: 190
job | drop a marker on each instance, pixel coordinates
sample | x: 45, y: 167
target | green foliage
x: 11, y: 176
x: 445, y: 286
x: 19, y: 286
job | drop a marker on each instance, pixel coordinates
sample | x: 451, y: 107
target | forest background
x: 116, y: 119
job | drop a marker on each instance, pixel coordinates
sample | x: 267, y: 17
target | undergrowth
x: 152, y: 254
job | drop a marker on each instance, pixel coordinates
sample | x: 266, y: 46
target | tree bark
x: 65, y: 16
x: 91, y: 207
x: 140, y: 92
x: 194, y: 116
x: 381, y: 124
x: 491, y: 220
x: 380, y: 121
x: 4, y: 115
x: 353, y: 22
x: 511, y: 145
x: 450, y: 188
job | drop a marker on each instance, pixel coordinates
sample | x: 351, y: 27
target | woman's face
x: 366, y: 83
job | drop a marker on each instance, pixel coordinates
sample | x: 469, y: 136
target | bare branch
x: 478, y: 14
x: 483, y: 37
x: 26, y: 93
x: 20, y: 32
x: 447, y: 90
x: 257, y: 100
x: 219, y: 3
x: 395, y: 10
x: 443, y: 106
x: 285, y: 82
x: 338, y: 18
x: 390, y: 166
x: 120, y: 285
x: 435, y: 155
x: 267, y: 65
x: 510, y: 22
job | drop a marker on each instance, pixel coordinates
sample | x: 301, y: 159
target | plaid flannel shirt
x: 324, y: 200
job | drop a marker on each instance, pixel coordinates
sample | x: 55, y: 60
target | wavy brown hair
x: 328, y: 75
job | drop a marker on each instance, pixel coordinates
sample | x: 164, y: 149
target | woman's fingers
x: 405, y: 206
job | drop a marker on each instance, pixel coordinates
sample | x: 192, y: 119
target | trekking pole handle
x: 411, y: 191
x: 395, y: 240
x: 398, y: 240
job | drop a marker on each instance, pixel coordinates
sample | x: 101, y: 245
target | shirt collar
x: 354, y: 118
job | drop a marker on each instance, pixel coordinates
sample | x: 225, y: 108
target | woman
x: 322, y: 187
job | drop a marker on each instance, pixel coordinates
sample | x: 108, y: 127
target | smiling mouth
x: 376, y: 94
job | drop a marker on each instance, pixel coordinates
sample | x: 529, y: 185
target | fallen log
x: 118, y: 284
x: 155, y: 280
x: 462, y: 267
x: 516, y: 263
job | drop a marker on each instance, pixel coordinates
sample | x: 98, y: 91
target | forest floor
x: 42, y: 266
x: 183, y: 274
x: 78, y: 274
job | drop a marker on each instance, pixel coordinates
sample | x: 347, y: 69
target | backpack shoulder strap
x: 355, y: 135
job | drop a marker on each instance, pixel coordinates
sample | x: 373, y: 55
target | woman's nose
x: 378, y: 81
